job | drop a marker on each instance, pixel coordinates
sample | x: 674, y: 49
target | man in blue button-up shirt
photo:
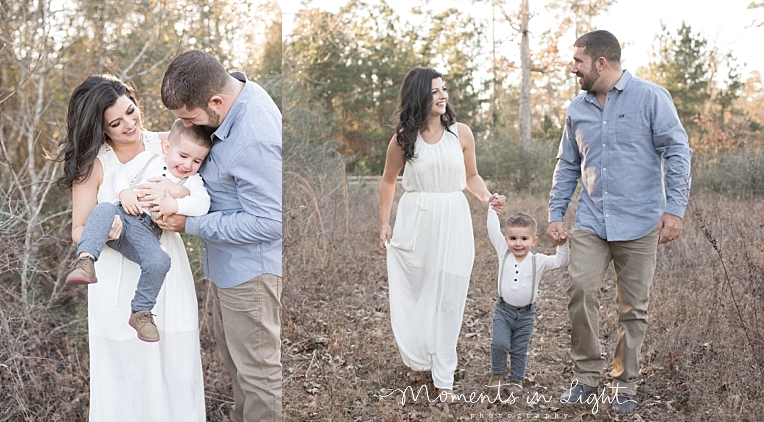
x: 618, y: 135
x: 241, y: 235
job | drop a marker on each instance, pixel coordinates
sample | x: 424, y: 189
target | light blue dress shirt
x: 241, y: 235
x: 619, y: 153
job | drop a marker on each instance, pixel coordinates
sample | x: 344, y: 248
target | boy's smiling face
x: 520, y: 240
x: 184, y: 157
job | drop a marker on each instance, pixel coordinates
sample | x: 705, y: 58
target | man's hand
x: 556, y: 233
x: 173, y: 223
x: 669, y: 228
x: 130, y: 202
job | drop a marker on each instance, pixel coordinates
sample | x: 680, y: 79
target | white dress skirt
x: 131, y: 380
x: 429, y: 259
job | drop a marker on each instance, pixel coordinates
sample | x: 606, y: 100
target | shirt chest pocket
x: 215, y: 178
x: 631, y: 126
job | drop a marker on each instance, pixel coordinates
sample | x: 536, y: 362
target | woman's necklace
x: 432, y: 135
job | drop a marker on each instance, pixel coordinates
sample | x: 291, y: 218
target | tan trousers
x: 634, y: 263
x: 247, y: 323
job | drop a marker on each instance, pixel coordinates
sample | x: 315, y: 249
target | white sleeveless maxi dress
x: 429, y: 259
x: 131, y: 380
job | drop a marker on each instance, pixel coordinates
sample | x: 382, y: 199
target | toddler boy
x: 184, y: 152
x: 515, y: 310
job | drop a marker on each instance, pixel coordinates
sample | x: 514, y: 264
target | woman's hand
x: 496, y: 202
x: 116, y: 229
x: 385, y: 234
x: 155, y: 191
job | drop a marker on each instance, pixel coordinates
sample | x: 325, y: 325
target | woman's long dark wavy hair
x: 414, y: 108
x: 85, y: 125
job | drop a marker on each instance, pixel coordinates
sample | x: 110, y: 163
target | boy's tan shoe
x: 516, y: 387
x: 143, y: 322
x: 495, y: 378
x: 83, y: 272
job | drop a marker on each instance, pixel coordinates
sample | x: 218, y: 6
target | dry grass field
x: 702, y: 358
x: 44, y: 360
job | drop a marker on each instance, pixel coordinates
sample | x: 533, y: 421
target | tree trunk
x: 525, y: 88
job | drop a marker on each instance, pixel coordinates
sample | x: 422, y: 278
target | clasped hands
x: 496, y: 201
x: 158, y: 196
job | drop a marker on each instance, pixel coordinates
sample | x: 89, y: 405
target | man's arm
x: 259, y: 190
x: 564, y: 182
x: 670, y: 140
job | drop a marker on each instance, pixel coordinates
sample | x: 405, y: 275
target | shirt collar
x: 620, y: 85
x: 238, y: 107
x: 625, y: 79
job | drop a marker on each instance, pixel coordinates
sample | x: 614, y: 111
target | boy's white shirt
x: 518, y: 293
x: 196, y: 203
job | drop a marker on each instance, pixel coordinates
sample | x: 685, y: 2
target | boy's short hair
x: 522, y: 219
x: 200, y: 135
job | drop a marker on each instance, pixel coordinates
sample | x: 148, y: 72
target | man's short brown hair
x: 192, y: 79
x: 600, y: 43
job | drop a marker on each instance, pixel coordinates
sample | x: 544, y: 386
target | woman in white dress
x: 130, y: 380
x: 430, y: 253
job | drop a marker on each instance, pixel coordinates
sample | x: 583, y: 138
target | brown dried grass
x: 44, y: 358
x: 701, y: 359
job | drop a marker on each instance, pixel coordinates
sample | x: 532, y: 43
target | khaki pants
x: 634, y: 263
x: 247, y: 323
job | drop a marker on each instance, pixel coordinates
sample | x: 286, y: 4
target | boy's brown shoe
x: 83, y: 272
x: 516, y: 387
x: 143, y: 322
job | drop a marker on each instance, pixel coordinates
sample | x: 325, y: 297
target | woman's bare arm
x: 393, y: 164
x: 475, y: 183
x: 84, y: 198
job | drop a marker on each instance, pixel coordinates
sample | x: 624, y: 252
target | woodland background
x: 336, y: 77
x: 46, y: 49
x: 702, y: 358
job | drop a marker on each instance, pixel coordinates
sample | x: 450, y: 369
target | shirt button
x: 607, y: 215
x: 605, y: 193
x: 604, y: 122
x: 604, y: 168
x: 604, y: 145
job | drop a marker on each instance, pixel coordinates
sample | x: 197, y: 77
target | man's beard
x: 214, y: 118
x: 588, y: 80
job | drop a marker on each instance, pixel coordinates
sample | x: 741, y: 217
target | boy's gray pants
x: 512, y: 329
x: 138, y: 242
